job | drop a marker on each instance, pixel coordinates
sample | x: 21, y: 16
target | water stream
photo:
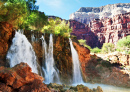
x: 50, y: 71
x: 21, y: 51
x: 77, y: 77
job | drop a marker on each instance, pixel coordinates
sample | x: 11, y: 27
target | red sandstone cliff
x: 6, y: 35
x: 103, y: 30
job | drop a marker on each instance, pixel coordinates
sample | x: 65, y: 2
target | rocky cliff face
x: 87, y: 14
x: 101, y: 71
x: 6, y: 35
x: 103, y: 30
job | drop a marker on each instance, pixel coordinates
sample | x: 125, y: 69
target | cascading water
x: 32, y: 38
x: 51, y: 75
x: 21, y: 51
x: 77, y: 77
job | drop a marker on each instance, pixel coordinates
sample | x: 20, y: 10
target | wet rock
x: 62, y: 57
x: 82, y: 88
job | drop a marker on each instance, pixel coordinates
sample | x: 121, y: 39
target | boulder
x: 21, y: 79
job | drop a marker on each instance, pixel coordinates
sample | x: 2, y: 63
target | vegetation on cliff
x: 124, y: 44
x: 58, y: 26
x: 22, y: 14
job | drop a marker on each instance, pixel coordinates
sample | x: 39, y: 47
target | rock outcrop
x: 79, y: 88
x: 87, y: 14
x: 6, y: 35
x: 103, y: 30
x: 21, y: 79
x: 116, y: 58
x: 84, y: 56
x: 63, y: 58
x: 101, y: 71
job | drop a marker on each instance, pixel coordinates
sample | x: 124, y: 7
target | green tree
x: 22, y: 14
x: 107, y: 47
x: 124, y: 44
x: 57, y: 27
x: 36, y: 20
x: 13, y: 13
x: 29, y: 3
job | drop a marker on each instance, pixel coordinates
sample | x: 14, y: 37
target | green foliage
x: 96, y: 50
x: 124, y: 44
x: 13, y: 13
x: 107, y: 47
x: 57, y: 27
x: 29, y: 3
x: 22, y: 14
x: 36, y: 20
x: 83, y: 42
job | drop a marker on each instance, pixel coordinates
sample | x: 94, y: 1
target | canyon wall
x: 87, y: 14
x: 103, y: 30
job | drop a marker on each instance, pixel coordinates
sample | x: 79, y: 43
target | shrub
x: 124, y: 44
x: 107, y: 48
x: 83, y: 42
x: 96, y: 50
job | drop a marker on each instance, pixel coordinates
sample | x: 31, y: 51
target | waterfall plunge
x: 21, y: 51
x: 51, y: 75
x: 77, y: 77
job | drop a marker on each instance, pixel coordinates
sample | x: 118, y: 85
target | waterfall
x: 50, y: 71
x: 21, y: 51
x: 77, y: 77
x: 32, y: 38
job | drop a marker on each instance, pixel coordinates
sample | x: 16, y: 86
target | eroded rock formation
x: 87, y: 14
x: 21, y: 79
x: 103, y: 30
x: 6, y: 35
x: 101, y: 71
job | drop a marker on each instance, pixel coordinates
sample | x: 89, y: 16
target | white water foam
x: 77, y: 77
x: 21, y: 51
x: 50, y: 71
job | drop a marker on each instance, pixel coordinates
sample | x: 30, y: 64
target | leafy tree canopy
x: 22, y: 14
x: 57, y: 26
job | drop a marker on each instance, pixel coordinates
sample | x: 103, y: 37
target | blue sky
x: 63, y: 8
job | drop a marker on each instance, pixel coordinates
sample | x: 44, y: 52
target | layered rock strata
x: 103, y: 30
x: 87, y: 14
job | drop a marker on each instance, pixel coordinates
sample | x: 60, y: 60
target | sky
x: 63, y: 8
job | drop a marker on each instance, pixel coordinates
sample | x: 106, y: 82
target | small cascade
x: 77, y: 77
x: 50, y: 71
x: 21, y: 51
x: 32, y: 38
